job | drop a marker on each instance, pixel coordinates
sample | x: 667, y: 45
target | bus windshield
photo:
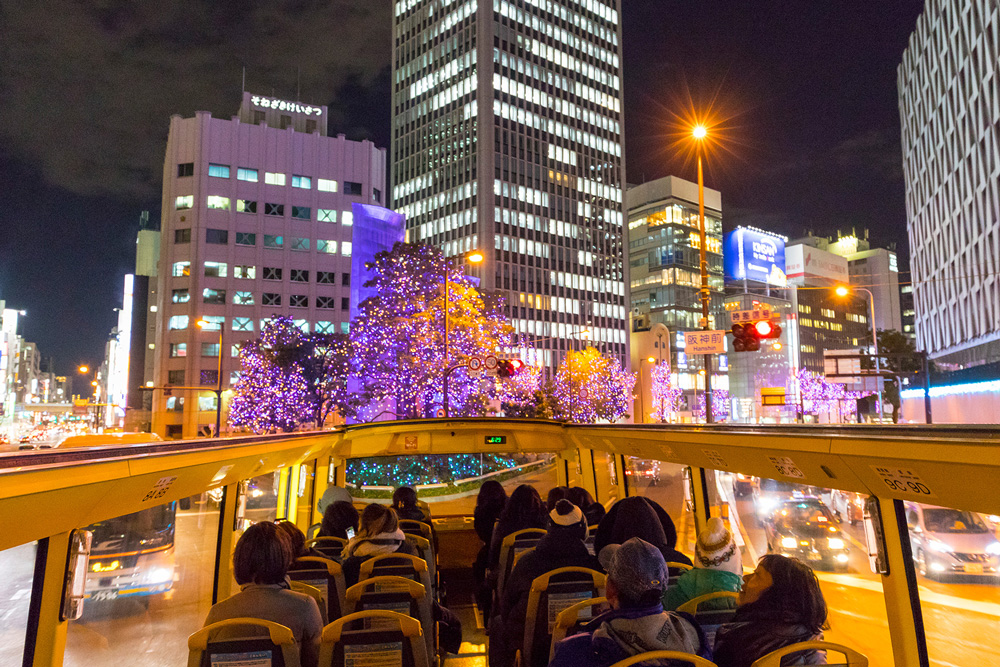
x: 147, y: 529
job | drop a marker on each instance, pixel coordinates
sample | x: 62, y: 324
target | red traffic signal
x: 509, y: 367
x: 763, y: 328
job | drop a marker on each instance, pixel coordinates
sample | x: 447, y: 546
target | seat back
x: 398, y: 594
x: 513, y: 544
x: 328, y: 577
x: 711, y: 611
x: 253, y: 640
x: 331, y: 547
x: 412, y: 527
x: 373, y: 637
x: 661, y: 656
x: 424, y: 549
x: 550, y: 594
x: 396, y: 565
x: 675, y: 571
x: 571, y: 616
x: 317, y: 595
x: 852, y: 658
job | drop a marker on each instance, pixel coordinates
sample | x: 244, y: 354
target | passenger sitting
x: 404, y: 501
x: 562, y: 546
x: 524, y: 509
x: 556, y: 493
x: 338, y: 517
x: 297, y: 541
x: 780, y: 604
x: 637, y: 577
x: 639, y: 517
x: 718, y: 566
x: 260, y: 562
x: 489, y: 504
x: 592, y: 509
x: 379, y: 534
x: 333, y: 494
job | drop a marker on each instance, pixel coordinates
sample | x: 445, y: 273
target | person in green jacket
x: 718, y: 566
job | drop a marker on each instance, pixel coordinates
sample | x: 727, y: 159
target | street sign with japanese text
x: 761, y: 312
x: 704, y: 342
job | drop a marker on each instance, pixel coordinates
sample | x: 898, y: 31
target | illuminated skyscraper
x: 507, y: 137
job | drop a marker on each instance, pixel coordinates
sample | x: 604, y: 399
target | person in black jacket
x: 489, y: 504
x: 404, y: 501
x: 297, y: 540
x: 592, y: 509
x: 562, y: 546
x: 639, y: 517
x: 338, y: 517
x: 524, y: 509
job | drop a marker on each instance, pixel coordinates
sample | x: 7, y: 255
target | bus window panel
x: 262, y: 497
x: 822, y: 527
x: 18, y: 565
x: 666, y: 484
x: 149, y: 584
x: 956, y: 554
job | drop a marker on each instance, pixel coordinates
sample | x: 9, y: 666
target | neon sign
x: 282, y: 105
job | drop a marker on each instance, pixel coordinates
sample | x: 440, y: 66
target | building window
x: 184, y: 202
x: 218, y: 170
x: 301, y: 212
x: 325, y: 327
x: 273, y: 241
x: 303, y: 182
x: 298, y: 301
x: 325, y: 277
x: 246, y: 206
x: 178, y: 349
x: 274, y: 209
x: 310, y: 125
x: 286, y: 122
x: 175, y: 377
x: 377, y: 195
x: 218, y: 203
x: 345, y: 303
x: 242, y: 324
x: 326, y: 302
x: 243, y: 298
x: 345, y: 279
x: 216, y: 296
x: 185, y: 169
x: 182, y: 235
x: 272, y: 273
x: 826, y: 312
x: 246, y: 238
x: 209, y: 349
x: 347, y: 218
x: 243, y: 174
x: 208, y: 378
x: 326, y: 246
x: 299, y: 243
x: 272, y: 178
x: 345, y: 248
x: 271, y: 299
x: 207, y: 404
x: 259, y: 117
x: 178, y: 323
x: 245, y: 272
x: 302, y: 324
x: 213, y: 322
x: 299, y: 276
x: 326, y: 215
x: 181, y: 269
x: 352, y: 188
x: 234, y: 377
x: 325, y: 185
x: 180, y: 296
x: 216, y: 236
x: 345, y: 328
x: 215, y: 269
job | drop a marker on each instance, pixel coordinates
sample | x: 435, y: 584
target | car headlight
x: 767, y: 504
x: 835, y: 543
x: 935, y: 545
x: 789, y: 543
x: 993, y: 549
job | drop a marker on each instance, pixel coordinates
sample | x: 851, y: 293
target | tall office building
x: 507, y: 137
x: 257, y: 221
x: 950, y: 114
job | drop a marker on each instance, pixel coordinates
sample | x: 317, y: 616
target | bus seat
x: 412, y: 527
x: 398, y: 594
x: 571, y: 616
x: 425, y: 551
x: 658, y: 656
x: 710, y: 619
x: 312, y: 530
x: 253, y: 638
x: 399, y: 565
x: 513, y: 544
x: 676, y: 570
x: 550, y: 594
x: 328, y: 577
x: 852, y: 658
x: 316, y: 594
x: 331, y: 547
x: 373, y: 636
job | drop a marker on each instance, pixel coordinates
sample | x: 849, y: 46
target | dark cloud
x: 89, y: 87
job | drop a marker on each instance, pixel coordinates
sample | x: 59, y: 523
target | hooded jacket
x: 622, y: 633
x: 640, y: 517
x: 740, y: 643
x: 699, y: 581
x: 360, y: 549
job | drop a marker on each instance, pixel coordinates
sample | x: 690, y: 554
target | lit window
x: 246, y: 175
x: 347, y: 219
x: 243, y: 299
x: 218, y: 170
x: 181, y: 269
x: 209, y: 349
x: 210, y: 295
x: 301, y: 212
x: 246, y: 206
x: 178, y: 322
x: 274, y: 209
x: 272, y: 178
x: 303, y: 182
x: 180, y: 296
x: 299, y: 243
x: 215, y: 269
x: 246, y: 238
x: 324, y: 185
x: 245, y: 272
x: 326, y: 215
x: 208, y: 403
x: 272, y: 273
x: 178, y: 349
x: 218, y: 203
x: 325, y: 327
x: 328, y: 247
x: 271, y: 299
x: 216, y: 236
x: 184, y: 201
x: 302, y: 324
x: 273, y: 241
x: 234, y: 377
x: 345, y: 248
x: 182, y: 235
x: 213, y: 322
x: 298, y: 301
x: 242, y: 324
x: 345, y: 327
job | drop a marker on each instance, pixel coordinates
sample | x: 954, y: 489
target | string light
x: 590, y: 386
x: 821, y: 395
x: 666, y: 398
x: 720, y: 405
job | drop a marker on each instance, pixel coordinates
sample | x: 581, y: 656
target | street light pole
x: 843, y: 291
x: 699, y: 133
x: 475, y: 257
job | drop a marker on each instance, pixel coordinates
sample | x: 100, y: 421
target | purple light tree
x: 819, y: 395
x: 666, y: 398
x: 590, y: 386
x: 720, y: 405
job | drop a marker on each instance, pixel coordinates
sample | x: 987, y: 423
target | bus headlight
x: 160, y: 574
x: 789, y: 543
x: 835, y: 543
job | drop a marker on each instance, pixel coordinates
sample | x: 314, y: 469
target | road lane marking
x: 926, y: 595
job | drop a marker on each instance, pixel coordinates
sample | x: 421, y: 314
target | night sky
x: 804, y: 94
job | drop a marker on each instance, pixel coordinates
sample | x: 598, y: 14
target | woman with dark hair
x: 489, y: 504
x: 524, y: 509
x: 297, y: 541
x: 404, y: 501
x: 781, y: 603
x: 591, y: 509
x: 556, y: 493
x: 378, y: 534
x: 260, y: 562
x: 338, y: 517
x: 637, y: 516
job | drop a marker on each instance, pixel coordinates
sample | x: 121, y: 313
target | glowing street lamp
x: 700, y: 133
x: 842, y: 291
x: 473, y: 257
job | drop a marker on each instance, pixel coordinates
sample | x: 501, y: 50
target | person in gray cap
x: 637, y: 623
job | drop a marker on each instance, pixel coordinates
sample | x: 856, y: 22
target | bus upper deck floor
x: 935, y: 517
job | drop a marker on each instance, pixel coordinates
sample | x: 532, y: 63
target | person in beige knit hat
x: 718, y: 566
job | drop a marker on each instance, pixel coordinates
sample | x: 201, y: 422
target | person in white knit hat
x: 718, y: 566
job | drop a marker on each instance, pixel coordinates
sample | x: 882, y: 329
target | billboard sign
x: 753, y: 255
x: 806, y: 265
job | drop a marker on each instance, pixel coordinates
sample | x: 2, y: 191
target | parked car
x: 950, y: 542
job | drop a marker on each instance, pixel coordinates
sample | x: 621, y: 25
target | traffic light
x: 747, y: 337
x: 509, y: 367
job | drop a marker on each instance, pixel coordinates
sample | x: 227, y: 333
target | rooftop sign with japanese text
x: 282, y: 105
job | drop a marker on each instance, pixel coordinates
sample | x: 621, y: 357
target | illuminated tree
x: 666, y: 398
x: 720, y: 405
x: 819, y: 395
x: 398, y: 337
x: 590, y: 386
x: 524, y: 395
